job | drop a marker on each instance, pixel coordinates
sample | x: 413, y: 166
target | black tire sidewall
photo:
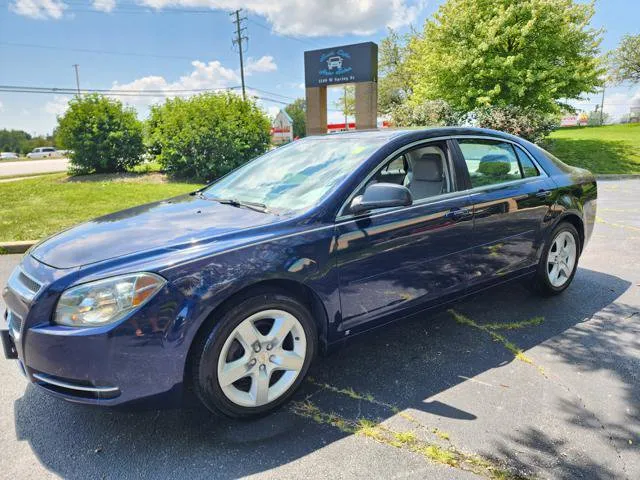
x: 205, y: 368
x: 543, y: 283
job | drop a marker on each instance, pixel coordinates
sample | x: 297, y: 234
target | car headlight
x: 106, y: 301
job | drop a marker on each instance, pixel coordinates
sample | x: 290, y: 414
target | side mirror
x: 381, y: 195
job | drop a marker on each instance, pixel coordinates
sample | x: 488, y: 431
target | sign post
x: 357, y: 63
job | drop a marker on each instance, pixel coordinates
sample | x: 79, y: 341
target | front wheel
x: 559, y: 260
x: 256, y: 356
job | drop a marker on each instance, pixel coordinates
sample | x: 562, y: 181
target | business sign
x: 346, y: 64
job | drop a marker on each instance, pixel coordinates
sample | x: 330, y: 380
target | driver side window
x: 424, y: 170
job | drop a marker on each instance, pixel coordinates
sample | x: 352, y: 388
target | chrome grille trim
x: 59, y: 383
x: 14, y: 323
x: 24, y: 285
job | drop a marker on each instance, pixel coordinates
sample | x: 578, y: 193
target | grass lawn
x: 608, y: 149
x: 34, y: 208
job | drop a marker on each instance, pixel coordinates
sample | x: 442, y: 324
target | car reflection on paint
x: 232, y: 290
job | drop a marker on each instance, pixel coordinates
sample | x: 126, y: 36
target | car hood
x: 178, y: 222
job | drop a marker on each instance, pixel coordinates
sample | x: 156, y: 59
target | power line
x: 238, y: 41
x: 87, y: 50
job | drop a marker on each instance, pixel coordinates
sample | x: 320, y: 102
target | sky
x: 172, y: 45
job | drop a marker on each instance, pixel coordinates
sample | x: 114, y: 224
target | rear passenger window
x: 528, y: 168
x: 489, y: 162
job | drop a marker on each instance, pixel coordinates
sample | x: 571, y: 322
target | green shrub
x: 208, y: 135
x: 104, y: 135
x: 425, y: 114
x: 523, y: 122
x: 494, y: 169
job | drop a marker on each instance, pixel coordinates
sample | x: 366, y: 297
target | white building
x: 282, y: 129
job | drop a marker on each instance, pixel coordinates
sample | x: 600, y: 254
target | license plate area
x: 8, y: 345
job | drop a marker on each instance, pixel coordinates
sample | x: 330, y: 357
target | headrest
x: 428, y: 168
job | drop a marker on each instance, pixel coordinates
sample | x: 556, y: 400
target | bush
x: 426, y: 114
x: 104, y: 135
x: 208, y: 135
x: 523, y: 122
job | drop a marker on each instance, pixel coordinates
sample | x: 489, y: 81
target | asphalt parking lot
x: 507, y: 381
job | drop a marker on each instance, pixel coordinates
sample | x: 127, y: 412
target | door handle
x: 544, y: 193
x: 458, y: 213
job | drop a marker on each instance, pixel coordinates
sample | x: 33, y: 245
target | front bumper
x: 142, y: 356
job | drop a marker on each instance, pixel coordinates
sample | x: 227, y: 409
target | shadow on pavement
x: 404, y: 365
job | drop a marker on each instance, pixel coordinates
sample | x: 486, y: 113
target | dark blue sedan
x: 231, y: 291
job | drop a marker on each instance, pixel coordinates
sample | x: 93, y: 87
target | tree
x: 625, y: 60
x: 429, y: 113
x: 104, y: 135
x: 347, y: 101
x: 394, y: 84
x: 597, y: 118
x: 14, y: 141
x: 208, y: 135
x: 297, y: 111
x: 525, y: 53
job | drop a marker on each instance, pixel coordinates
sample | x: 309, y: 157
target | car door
x: 404, y: 257
x: 511, y: 197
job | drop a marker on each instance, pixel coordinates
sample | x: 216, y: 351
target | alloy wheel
x: 261, y: 358
x: 561, y: 259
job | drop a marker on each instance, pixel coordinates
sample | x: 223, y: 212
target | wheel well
x: 290, y: 287
x: 576, y: 221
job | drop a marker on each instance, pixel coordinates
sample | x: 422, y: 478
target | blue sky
x: 186, y: 44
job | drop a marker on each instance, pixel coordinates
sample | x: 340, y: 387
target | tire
x: 231, y: 346
x: 554, y: 276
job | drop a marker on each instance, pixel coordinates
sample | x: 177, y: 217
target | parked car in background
x: 8, y: 155
x: 43, y: 152
x: 230, y: 292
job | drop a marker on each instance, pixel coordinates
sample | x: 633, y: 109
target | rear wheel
x: 559, y: 260
x: 256, y: 356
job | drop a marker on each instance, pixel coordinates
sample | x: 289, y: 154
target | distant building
x: 574, y: 120
x: 282, y: 129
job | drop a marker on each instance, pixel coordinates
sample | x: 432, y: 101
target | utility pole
x: 238, y: 41
x: 75, y: 65
x: 346, y: 121
x: 602, y: 106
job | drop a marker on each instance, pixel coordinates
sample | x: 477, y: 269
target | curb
x: 16, y: 247
x: 615, y: 176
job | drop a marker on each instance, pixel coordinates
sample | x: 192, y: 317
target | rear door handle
x: 544, y: 193
x: 459, y: 213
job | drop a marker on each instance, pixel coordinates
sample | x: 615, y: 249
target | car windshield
x: 297, y: 176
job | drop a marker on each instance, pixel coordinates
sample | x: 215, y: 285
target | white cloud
x: 617, y: 102
x: 40, y: 9
x: 1, y: 106
x: 204, y: 76
x: 315, y: 18
x: 305, y: 18
x: 104, y: 5
x: 263, y: 64
x: 58, y: 105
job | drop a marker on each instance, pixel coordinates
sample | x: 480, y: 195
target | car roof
x: 397, y: 133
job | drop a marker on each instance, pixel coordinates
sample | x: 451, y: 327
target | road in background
x: 567, y: 407
x: 29, y: 167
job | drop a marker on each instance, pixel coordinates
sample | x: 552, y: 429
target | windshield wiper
x: 258, y: 207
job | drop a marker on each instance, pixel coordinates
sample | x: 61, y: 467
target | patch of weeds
x: 438, y: 454
x: 351, y: 393
x: 440, y: 434
x: 405, y: 440
x: 512, y: 347
x: 514, y: 325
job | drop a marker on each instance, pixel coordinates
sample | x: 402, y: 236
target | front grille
x: 29, y: 282
x: 24, y: 285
